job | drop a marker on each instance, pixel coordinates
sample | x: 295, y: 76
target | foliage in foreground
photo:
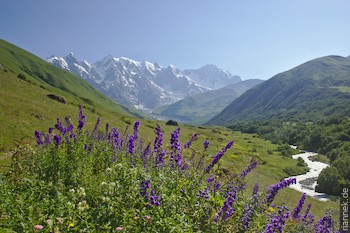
x: 108, y: 181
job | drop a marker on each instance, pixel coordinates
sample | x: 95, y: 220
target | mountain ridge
x: 143, y: 85
x: 200, y: 108
x: 310, y: 89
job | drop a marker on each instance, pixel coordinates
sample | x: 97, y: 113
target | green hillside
x: 25, y: 83
x: 308, y: 106
x: 308, y: 92
x: 200, y: 108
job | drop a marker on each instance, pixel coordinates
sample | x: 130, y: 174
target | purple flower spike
x: 160, y: 159
x: 94, y: 131
x: 81, y: 120
x: 246, y: 171
x: 246, y: 217
x: 206, y: 144
x: 325, y: 224
x: 144, y: 155
x: 136, y: 129
x: 158, y: 141
x: 144, y: 186
x: 297, y: 210
x: 59, y: 126
x: 175, y: 145
x: 277, y: 221
x: 273, y: 189
x: 210, y: 179
x: 227, y: 209
x: 218, y: 156
x: 57, y: 140
x: 115, y: 137
x: 131, y: 145
x: 203, y: 194
x: 217, y: 186
x: 306, y: 215
x: 38, y: 138
x: 255, y: 189
x: 189, y: 143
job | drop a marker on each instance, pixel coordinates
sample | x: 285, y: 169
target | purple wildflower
x: 325, y: 224
x: 48, y: 137
x: 131, y: 144
x: 136, y: 129
x: 94, y: 131
x: 38, y: 138
x: 57, y: 140
x: 160, y: 159
x: 246, y: 217
x: 273, y: 189
x: 246, y: 171
x: 210, y: 179
x: 226, y: 211
x: 175, y: 145
x: 189, y: 143
x: 74, y: 136
x: 158, y: 141
x: 203, y: 194
x: 174, y: 140
x: 307, y: 211
x: 255, y: 189
x: 144, y: 186
x: 308, y: 218
x: 277, y: 221
x: 219, y: 155
x: 107, y: 128
x: 144, y: 155
x: 86, y: 147
x: 153, y: 198
x: 206, y: 144
x: 115, y: 137
x: 182, y: 191
x: 70, y: 126
x: 297, y: 210
x: 59, y: 126
x: 81, y: 120
x: 217, y: 186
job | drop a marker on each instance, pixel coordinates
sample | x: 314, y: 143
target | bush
x: 22, y: 76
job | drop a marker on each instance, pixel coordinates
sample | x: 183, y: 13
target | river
x: 307, y: 182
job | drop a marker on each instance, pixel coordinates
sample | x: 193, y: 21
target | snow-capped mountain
x: 144, y: 85
x: 212, y: 77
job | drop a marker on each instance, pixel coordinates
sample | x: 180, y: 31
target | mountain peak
x: 211, y: 76
x: 70, y: 58
x: 209, y: 66
x: 126, y: 60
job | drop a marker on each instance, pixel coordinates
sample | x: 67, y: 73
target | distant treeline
x: 329, y: 136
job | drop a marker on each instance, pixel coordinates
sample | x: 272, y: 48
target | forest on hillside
x: 330, y: 136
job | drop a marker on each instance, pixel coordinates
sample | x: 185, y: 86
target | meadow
x: 82, y: 176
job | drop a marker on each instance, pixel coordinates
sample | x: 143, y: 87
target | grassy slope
x: 308, y: 92
x: 27, y: 99
x: 25, y: 108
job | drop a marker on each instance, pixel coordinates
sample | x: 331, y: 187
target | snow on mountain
x: 212, y: 77
x: 59, y: 62
x: 144, y: 85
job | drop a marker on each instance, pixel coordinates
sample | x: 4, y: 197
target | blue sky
x: 250, y: 38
